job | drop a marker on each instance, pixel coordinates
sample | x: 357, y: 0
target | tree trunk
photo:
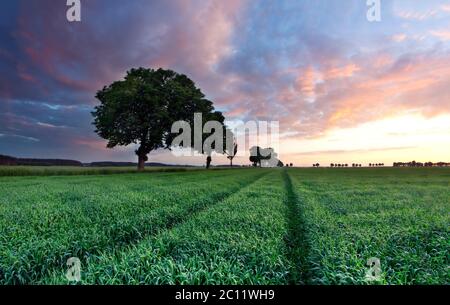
x: 231, y: 162
x: 141, y: 163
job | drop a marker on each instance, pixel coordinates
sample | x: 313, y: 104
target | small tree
x: 218, y: 139
x: 232, y: 154
x: 142, y: 108
x: 255, y: 156
x: 266, y: 157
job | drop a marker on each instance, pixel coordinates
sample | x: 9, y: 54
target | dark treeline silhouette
x: 129, y: 164
x: 376, y: 164
x: 420, y: 164
x: 8, y: 160
x: 111, y: 164
x: 13, y: 161
x: 338, y: 165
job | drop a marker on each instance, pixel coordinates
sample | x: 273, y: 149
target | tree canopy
x: 264, y: 157
x: 141, y: 109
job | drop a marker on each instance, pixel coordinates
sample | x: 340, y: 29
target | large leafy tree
x: 142, y: 108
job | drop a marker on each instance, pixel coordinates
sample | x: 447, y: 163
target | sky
x: 343, y: 89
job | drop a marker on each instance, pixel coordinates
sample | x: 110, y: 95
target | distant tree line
x: 8, y: 160
x: 345, y: 165
x: 130, y: 164
x: 338, y: 165
x: 420, y: 164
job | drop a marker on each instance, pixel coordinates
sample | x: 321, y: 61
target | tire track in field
x: 177, y: 220
x: 205, y: 204
x: 296, y: 239
x: 123, y: 249
x: 194, y: 210
x: 217, y: 199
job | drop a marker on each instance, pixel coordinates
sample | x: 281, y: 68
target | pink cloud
x: 341, y: 72
x: 310, y: 93
x: 441, y: 34
x: 369, y: 88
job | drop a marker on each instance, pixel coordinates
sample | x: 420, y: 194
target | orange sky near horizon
x: 397, y: 139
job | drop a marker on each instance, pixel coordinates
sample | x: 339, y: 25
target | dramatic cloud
x: 315, y: 66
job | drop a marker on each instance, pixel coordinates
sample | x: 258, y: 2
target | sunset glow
x: 343, y: 89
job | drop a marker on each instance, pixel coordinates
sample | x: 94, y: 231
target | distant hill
x: 110, y: 164
x: 227, y: 165
x: 8, y: 160
x: 124, y: 164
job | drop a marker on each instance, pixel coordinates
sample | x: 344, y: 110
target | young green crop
x: 44, y: 221
x: 240, y: 240
x: 12, y: 171
x: 400, y: 216
x: 240, y: 226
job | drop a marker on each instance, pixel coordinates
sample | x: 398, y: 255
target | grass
x: 241, y: 226
x: 47, y: 220
x: 400, y: 216
x: 9, y: 171
x: 217, y: 246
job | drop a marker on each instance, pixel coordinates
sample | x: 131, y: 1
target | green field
x: 241, y: 226
x: 75, y: 171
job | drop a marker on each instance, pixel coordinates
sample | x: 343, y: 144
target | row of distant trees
x: 420, y: 164
x: 339, y: 165
x: 344, y: 165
